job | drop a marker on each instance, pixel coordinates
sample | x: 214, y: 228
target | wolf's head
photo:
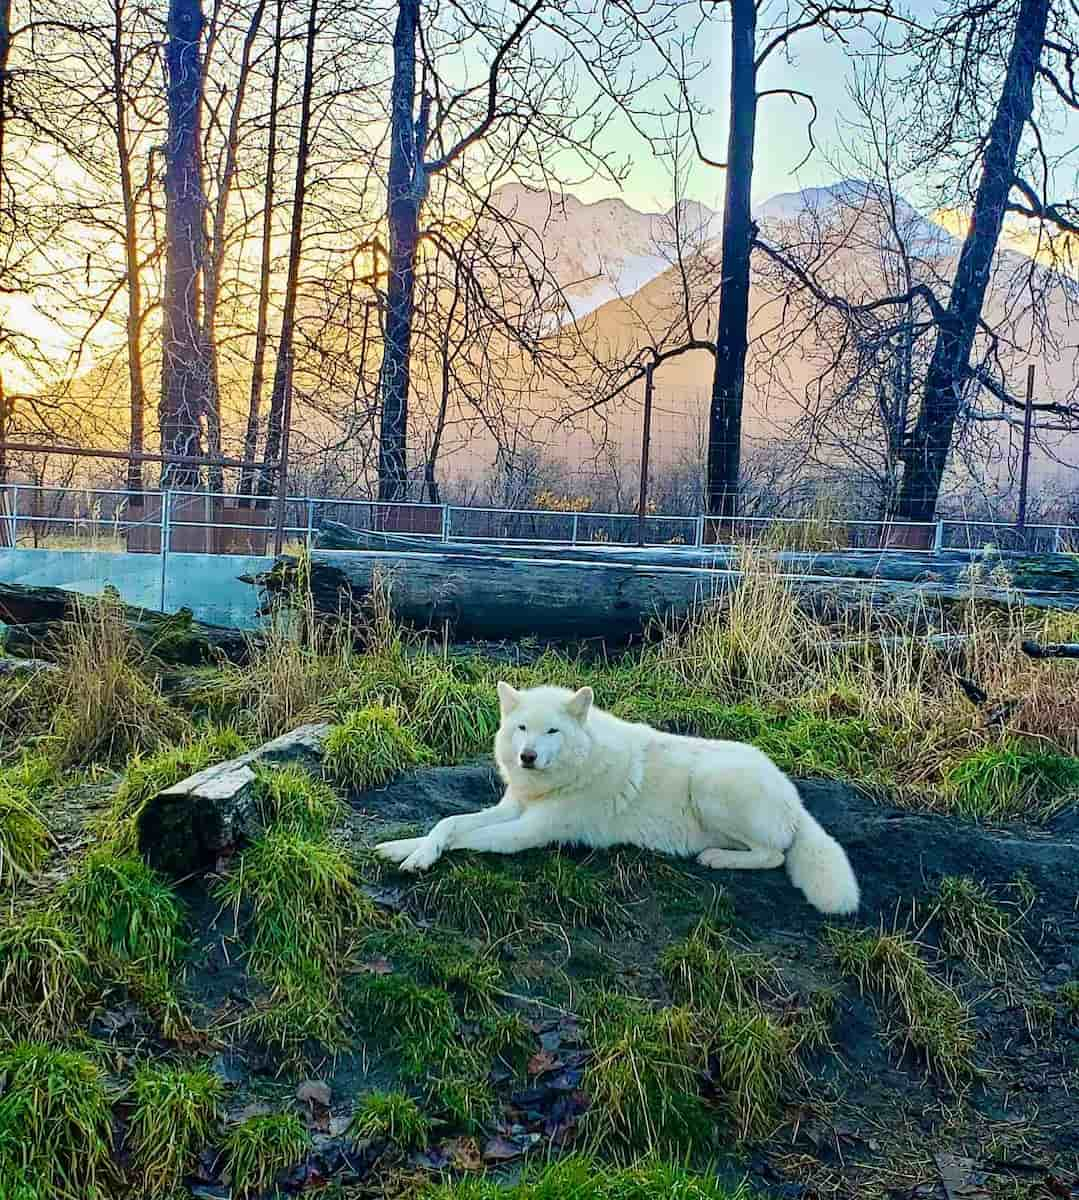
x: 543, y: 733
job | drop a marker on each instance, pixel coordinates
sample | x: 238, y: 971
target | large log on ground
x: 35, y: 617
x: 487, y: 598
x: 188, y: 827
x: 1050, y: 572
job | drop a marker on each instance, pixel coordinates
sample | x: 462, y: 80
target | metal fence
x: 161, y: 523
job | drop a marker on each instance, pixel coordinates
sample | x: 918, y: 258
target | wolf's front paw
x: 397, y: 852
x: 424, y: 856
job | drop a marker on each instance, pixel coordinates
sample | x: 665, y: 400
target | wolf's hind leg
x: 753, y: 859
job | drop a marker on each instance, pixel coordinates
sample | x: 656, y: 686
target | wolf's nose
x: 528, y: 758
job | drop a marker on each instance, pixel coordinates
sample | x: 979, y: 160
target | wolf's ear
x: 508, y: 697
x: 579, y: 703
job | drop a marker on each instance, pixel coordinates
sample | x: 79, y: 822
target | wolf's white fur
x: 600, y: 781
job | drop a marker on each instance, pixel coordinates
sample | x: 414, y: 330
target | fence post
x: 938, y: 537
x: 310, y: 523
x: 1056, y: 540
x: 15, y: 517
x: 573, y: 531
x: 445, y: 522
x: 166, y: 505
x: 698, y: 532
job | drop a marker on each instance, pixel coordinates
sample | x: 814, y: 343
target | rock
x: 314, y: 1091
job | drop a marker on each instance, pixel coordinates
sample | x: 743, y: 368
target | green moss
x: 44, y: 975
x: 55, y: 1125
x: 123, y: 910
x: 1012, y: 779
x: 261, y: 1148
x: 174, y: 1114
x: 369, y: 748
x: 392, y: 1117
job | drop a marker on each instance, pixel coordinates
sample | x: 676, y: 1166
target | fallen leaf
x: 464, y: 1153
x: 376, y: 966
x: 501, y: 1149
x: 542, y: 1062
x: 961, y: 1178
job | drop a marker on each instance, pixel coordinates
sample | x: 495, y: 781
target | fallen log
x: 1051, y: 649
x: 35, y: 617
x: 24, y: 666
x: 954, y: 567
x: 552, y: 600
x: 190, y: 826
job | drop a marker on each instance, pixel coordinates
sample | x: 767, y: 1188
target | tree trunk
x: 216, y: 258
x: 728, y: 380
x: 405, y: 193
x: 135, y: 379
x: 251, y: 433
x: 5, y: 54
x: 947, y: 379
x: 183, y: 366
x: 282, y: 384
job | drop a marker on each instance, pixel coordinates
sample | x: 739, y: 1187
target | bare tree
x: 184, y: 370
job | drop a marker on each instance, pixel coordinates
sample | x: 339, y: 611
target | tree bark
x: 407, y: 187
x: 135, y: 377
x: 251, y: 433
x: 948, y: 375
x: 728, y: 380
x: 183, y: 369
x: 282, y: 384
x: 5, y: 54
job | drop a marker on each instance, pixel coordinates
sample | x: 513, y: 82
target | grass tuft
x: 24, y: 839
x: 174, y: 1114
x: 261, y: 1148
x: 1069, y: 997
x: 391, y: 1117
x: 926, y: 1014
x: 643, y: 1077
x: 302, y: 1012
x: 459, y: 719
x: 44, y: 975
x: 105, y: 705
x: 1009, y: 780
x: 753, y: 1052
x: 123, y: 910
x: 973, y: 928
x: 290, y: 796
x: 706, y: 972
x: 369, y: 748
x: 580, y: 1178
x: 55, y: 1125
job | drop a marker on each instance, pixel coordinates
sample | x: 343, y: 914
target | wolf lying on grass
x: 575, y: 773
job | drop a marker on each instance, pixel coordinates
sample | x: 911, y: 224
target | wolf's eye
x: 521, y: 728
x: 552, y: 730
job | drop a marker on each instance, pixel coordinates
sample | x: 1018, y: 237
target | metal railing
x: 165, y: 523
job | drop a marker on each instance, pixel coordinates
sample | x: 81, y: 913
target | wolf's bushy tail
x: 819, y: 868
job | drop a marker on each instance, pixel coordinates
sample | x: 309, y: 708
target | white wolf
x: 574, y: 773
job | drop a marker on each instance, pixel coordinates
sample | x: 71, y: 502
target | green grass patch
x: 44, y: 975
x: 290, y: 796
x: 301, y: 1017
x: 369, y: 748
x: 643, y: 1078
x: 580, y: 1178
x: 302, y: 898
x: 391, y: 1117
x: 174, y: 1114
x: 443, y: 960
x: 261, y: 1148
x: 706, y: 971
x: 1011, y: 779
x: 753, y: 1055
x: 24, y: 839
x: 924, y: 1013
x: 974, y: 928
x: 55, y: 1125
x: 123, y: 910
x: 1069, y: 997
x: 458, y: 719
